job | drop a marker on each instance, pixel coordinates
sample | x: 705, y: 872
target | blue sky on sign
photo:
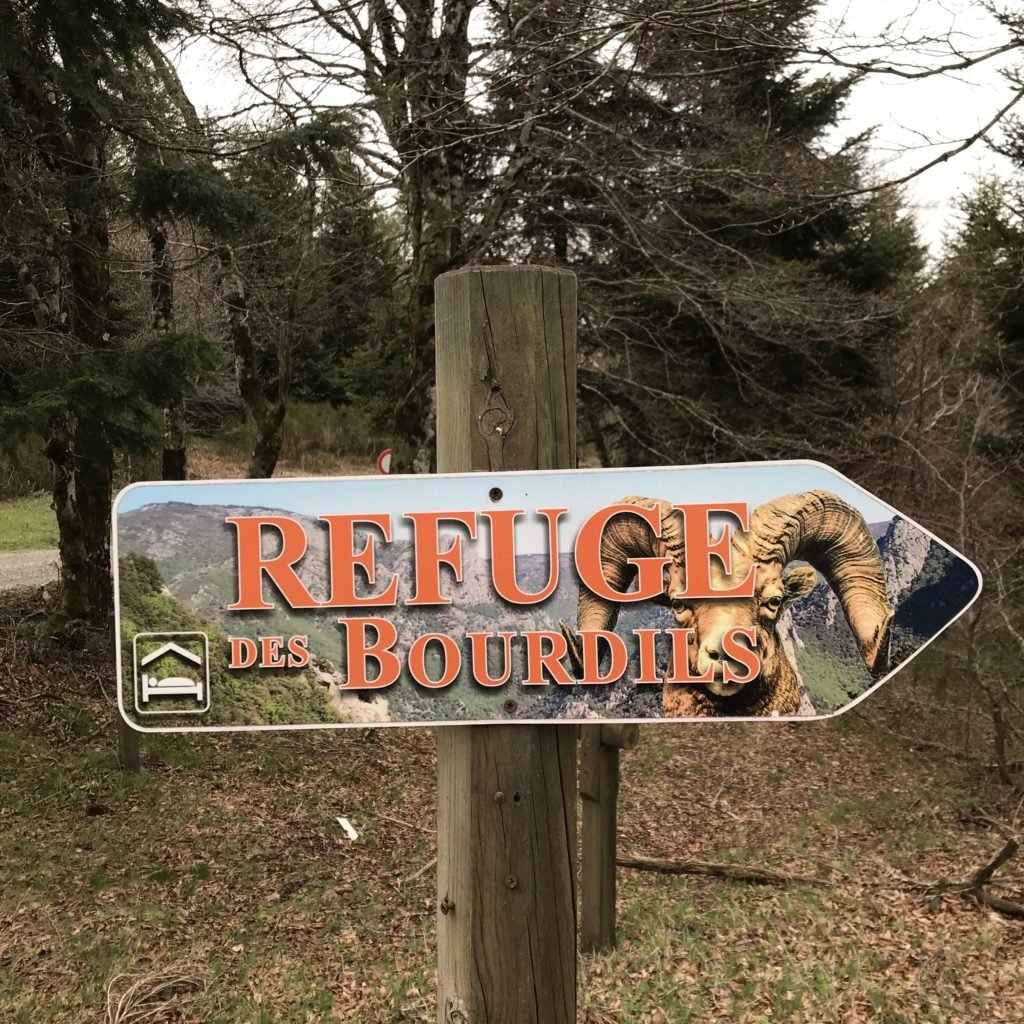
x: 582, y: 491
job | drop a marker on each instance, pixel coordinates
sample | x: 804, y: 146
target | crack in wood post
x: 506, y: 793
x: 495, y: 423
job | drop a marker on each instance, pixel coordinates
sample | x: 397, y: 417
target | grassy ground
x: 27, y: 524
x: 224, y: 856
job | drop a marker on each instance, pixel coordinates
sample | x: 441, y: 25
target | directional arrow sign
x: 777, y: 590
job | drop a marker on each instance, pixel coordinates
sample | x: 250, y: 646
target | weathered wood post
x: 599, y: 792
x: 506, y: 818
x: 128, y: 754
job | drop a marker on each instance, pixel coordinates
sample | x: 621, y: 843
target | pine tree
x: 305, y: 275
x: 989, y: 253
x: 733, y: 277
x: 356, y: 356
x: 81, y: 372
x: 665, y: 151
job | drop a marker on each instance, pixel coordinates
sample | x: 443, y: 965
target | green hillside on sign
x: 241, y: 697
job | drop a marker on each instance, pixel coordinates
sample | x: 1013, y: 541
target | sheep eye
x: 774, y: 602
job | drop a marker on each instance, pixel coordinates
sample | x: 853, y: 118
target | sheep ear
x: 663, y: 600
x: 799, y: 582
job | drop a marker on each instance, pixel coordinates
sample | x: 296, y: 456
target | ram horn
x: 626, y: 537
x: 820, y: 528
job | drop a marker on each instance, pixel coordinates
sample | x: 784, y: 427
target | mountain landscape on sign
x: 185, y: 555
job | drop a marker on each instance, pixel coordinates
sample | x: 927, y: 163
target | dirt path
x: 27, y: 569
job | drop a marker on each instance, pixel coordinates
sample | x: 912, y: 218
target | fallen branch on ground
x: 422, y: 871
x: 974, y: 887
x: 404, y: 824
x: 734, y: 872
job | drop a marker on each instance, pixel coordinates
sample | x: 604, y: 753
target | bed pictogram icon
x: 171, y: 665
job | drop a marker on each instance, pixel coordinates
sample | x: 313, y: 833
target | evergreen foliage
x: 356, y: 358
x: 739, y: 288
x: 990, y: 248
x: 96, y: 134
x: 79, y: 369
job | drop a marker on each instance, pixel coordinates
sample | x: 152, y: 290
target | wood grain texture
x: 506, y: 340
x: 599, y: 793
x: 506, y: 875
x: 506, y: 820
x: 129, y: 755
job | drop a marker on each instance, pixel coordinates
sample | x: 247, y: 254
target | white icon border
x: 206, y: 672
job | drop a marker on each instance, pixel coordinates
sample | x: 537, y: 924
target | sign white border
x: 484, y: 480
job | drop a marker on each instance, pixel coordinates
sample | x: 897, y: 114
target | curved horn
x: 820, y: 528
x: 626, y: 537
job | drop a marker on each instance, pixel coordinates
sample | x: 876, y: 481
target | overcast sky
x: 915, y: 121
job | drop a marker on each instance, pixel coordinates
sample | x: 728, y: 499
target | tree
x: 174, y: 122
x: 257, y: 200
x: 990, y: 250
x: 411, y: 70
x: 79, y: 371
x: 668, y: 152
x: 732, y: 288
x: 356, y: 355
x: 274, y: 282
x: 954, y: 460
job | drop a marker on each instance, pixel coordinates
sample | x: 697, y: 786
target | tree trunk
x: 174, y: 460
x: 431, y: 242
x: 75, y: 596
x: 82, y: 458
x: 94, y: 482
x: 175, y: 454
x: 269, y: 435
x: 431, y: 147
x: 82, y: 491
x: 268, y: 416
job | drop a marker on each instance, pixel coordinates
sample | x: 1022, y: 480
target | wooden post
x: 506, y: 817
x: 599, y: 792
x: 128, y: 753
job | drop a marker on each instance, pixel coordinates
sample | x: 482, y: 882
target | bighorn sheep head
x: 815, y: 527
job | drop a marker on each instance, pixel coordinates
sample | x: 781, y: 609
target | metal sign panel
x: 764, y: 590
